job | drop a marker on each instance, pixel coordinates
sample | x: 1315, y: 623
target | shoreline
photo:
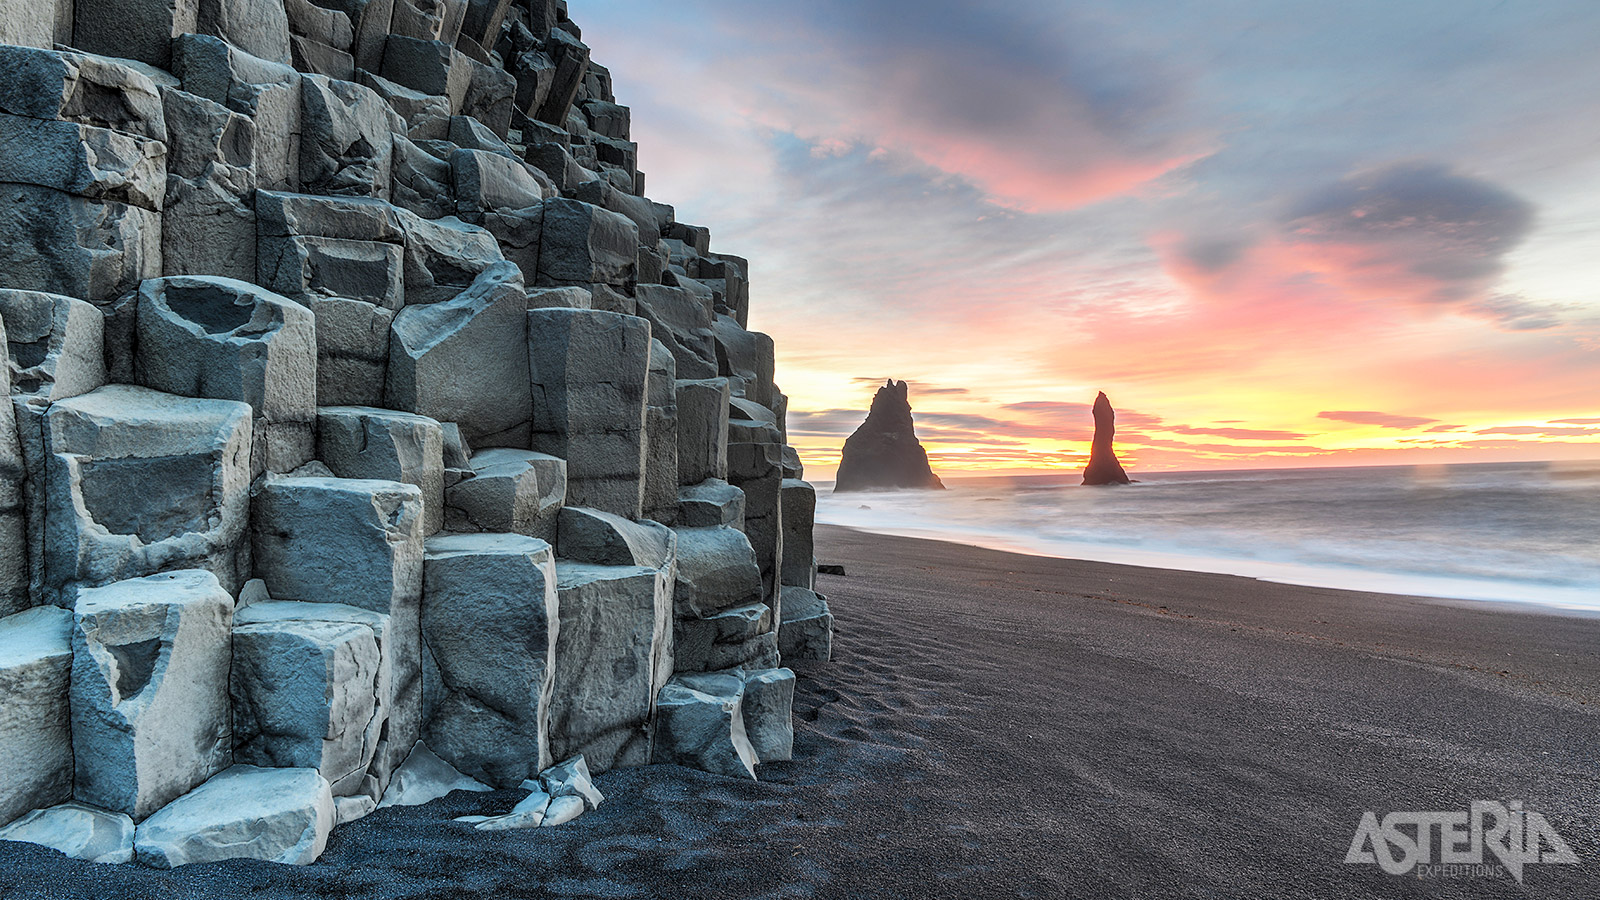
x: 997, y: 545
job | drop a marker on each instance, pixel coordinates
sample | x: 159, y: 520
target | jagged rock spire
x: 884, y: 452
x: 1103, y: 466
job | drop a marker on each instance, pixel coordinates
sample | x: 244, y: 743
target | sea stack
x: 884, y: 453
x: 1103, y: 467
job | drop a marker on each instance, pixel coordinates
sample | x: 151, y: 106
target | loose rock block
x: 424, y: 778
x: 276, y: 815
x: 700, y: 725
x: 77, y: 831
x: 768, y: 713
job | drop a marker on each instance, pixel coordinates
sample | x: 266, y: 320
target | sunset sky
x: 1275, y: 233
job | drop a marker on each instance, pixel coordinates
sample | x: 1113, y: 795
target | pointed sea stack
x: 1103, y: 467
x: 884, y: 452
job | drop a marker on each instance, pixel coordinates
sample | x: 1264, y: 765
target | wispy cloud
x: 1380, y: 419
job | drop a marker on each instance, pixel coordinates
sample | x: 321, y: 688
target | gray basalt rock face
x: 15, y: 595
x: 513, y: 491
x: 362, y: 442
x: 1104, y: 467
x: 35, y: 734
x: 321, y: 699
x: 590, y: 373
x: 806, y: 631
x: 466, y: 360
x: 150, y: 712
x: 490, y: 624
x: 710, y: 503
x: 229, y: 340
x: 613, y: 655
x: 304, y: 695
x: 702, y: 430
x: 139, y: 482
x: 884, y: 454
x: 799, y: 556
x: 363, y: 409
x: 757, y: 470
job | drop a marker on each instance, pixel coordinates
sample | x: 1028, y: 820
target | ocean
x: 1526, y: 532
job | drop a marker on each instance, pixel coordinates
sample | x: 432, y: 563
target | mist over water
x: 1525, y: 532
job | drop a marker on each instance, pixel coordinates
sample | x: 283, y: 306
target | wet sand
x: 996, y: 725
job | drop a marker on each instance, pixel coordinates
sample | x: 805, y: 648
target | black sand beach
x: 996, y: 725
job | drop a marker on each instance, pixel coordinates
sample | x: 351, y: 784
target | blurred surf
x: 1515, y: 531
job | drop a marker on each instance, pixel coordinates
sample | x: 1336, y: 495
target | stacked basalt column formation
x: 363, y: 409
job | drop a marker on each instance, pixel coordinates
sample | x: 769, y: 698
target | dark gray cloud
x: 1211, y: 253
x: 1514, y: 313
x: 1432, y: 221
x: 1380, y: 419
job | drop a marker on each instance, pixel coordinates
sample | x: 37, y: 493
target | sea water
x: 1516, y: 531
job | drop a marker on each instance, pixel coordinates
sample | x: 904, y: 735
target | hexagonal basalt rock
x: 150, y: 690
x: 490, y: 624
x: 139, y: 482
x: 230, y: 340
